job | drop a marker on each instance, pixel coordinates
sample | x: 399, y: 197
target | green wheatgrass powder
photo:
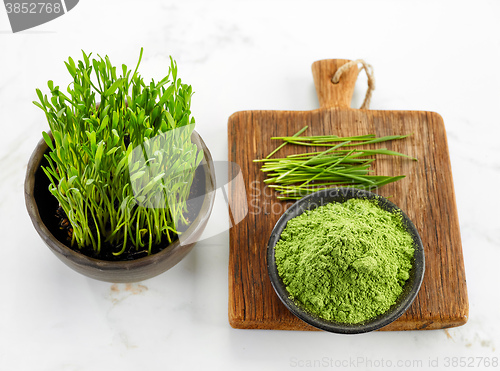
x: 345, y: 262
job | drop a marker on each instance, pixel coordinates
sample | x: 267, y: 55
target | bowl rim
x: 121, y: 265
x: 394, y: 312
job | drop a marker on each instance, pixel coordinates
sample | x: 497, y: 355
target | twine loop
x: 369, y: 74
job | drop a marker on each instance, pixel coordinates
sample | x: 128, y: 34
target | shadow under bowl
x: 41, y: 206
x: 342, y: 194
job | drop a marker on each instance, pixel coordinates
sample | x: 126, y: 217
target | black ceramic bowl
x: 410, y: 289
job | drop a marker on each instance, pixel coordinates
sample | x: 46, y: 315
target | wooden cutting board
x: 426, y: 195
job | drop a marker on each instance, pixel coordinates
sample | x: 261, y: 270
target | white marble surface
x: 436, y: 56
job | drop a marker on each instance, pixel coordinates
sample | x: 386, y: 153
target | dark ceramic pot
x: 410, y: 289
x: 41, y: 206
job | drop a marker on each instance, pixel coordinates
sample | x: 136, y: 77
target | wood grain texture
x: 426, y: 195
x: 329, y: 94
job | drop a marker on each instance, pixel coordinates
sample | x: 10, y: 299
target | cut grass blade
x: 285, y: 143
x: 300, y: 174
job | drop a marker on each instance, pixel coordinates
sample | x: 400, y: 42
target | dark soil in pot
x: 56, y: 222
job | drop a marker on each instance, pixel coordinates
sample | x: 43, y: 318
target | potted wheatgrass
x: 121, y: 187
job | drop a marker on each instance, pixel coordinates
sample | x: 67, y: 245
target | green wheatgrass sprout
x: 111, y: 193
x: 298, y: 175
